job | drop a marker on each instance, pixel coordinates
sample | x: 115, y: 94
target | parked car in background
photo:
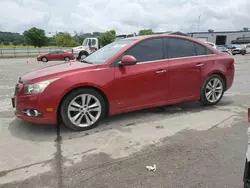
x: 123, y: 36
x: 211, y: 44
x: 246, y: 177
x: 127, y: 75
x: 224, y: 49
x: 237, y: 49
x: 55, y: 56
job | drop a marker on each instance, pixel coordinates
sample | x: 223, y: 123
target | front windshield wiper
x: 84, y: 61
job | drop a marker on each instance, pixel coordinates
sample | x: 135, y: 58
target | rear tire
x: 44, y: 59
x: 212, y: 90
x: 82, y: 109
x: 67, y: 59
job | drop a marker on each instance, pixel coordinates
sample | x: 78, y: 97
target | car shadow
x: 121, y: 122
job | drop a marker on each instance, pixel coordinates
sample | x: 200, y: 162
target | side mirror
x: 128, y: 60
x: 249, y: 115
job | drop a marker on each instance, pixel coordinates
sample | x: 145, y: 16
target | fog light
x: 32, y: 113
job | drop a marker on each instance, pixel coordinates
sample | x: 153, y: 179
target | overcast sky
x: 123, y: 15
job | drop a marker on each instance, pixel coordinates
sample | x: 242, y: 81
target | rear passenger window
x: 180, y: 48
x: 208, y: 51
x: 200, y: 50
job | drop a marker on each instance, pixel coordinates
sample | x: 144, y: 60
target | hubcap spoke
x: 208, y: 94
x: 92, y: 118
x: 79, y: 119
x: 88, y: 121
x: 218, y: 89
x: 214, y: 97
x: 209, y: 86
x: 76, y: 117
x: 94, y: 107
x: 73, y: 108
x: 84, y: 100
x: 215, y: 82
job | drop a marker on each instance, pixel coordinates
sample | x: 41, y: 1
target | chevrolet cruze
x: 127, y: 75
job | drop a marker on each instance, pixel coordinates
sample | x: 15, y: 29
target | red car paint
x: 56, y: 56
x: 126, y: 88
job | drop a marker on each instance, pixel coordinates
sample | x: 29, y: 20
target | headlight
x: 37, y: 87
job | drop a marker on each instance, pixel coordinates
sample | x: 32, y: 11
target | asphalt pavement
x: 192, y: 146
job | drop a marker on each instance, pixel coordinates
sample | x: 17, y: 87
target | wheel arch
x: 78, y: 87
x: 221, y: 74
x: 83, y: 52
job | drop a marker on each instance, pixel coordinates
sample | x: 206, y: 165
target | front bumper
x: 23, y: 103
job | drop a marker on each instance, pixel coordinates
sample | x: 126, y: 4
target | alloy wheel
x: 84, y: 110
x: 214, y: 90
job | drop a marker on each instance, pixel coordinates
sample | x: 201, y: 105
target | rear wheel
x: 212, y: 90
x: 243, y: 52
x: 66, y: 59
x: 44, y: 59
x: 82, y: 109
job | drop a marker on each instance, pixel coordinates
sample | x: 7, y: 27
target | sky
x: 124, y: 16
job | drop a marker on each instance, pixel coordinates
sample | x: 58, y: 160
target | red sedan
x: 55, y: 56
x: 126, y: 75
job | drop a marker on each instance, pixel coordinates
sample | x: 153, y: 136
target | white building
x: 223, y: 37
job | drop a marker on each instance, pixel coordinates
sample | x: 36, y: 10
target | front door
x: 184, y: 69
x: 146, y: 82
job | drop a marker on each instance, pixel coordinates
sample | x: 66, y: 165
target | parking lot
x: 191, y: 145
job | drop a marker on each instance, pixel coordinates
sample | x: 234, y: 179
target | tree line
x: 37, y: 37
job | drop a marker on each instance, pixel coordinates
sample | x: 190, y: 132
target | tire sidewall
x: 66, y: 101
x: 203, y: 93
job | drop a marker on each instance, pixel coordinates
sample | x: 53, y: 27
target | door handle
x: 160, y: 71
x: 199, y: 65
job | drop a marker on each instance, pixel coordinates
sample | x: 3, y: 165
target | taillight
x: 249, y: 115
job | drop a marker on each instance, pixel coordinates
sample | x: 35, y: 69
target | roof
x: 157, y: 35
x: 214, y: 32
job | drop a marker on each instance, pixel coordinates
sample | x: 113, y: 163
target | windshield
x: 85, y: 42
x: 102, y: 55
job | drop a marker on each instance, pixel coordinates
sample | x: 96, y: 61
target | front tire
x: 212, y: 90
x: 82, y: 109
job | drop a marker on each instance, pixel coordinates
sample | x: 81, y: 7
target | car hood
x: 54, y: 71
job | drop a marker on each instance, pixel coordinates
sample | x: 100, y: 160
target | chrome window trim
x: 155, y: 61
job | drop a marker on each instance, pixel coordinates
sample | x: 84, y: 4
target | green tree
x: 146, y: 32
x: 16, y: 42
x: 35, y: 37
x: 107, y: 37
x: 65, y: 40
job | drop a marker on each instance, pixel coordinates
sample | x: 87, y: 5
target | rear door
x: 144, y: 83
x: 61, y: 55
x: 53, y: 55
x: 184, y: 69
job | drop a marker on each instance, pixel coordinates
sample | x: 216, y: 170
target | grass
x: 25, y: 47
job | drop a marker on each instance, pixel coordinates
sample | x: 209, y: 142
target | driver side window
x: 148, y: 50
